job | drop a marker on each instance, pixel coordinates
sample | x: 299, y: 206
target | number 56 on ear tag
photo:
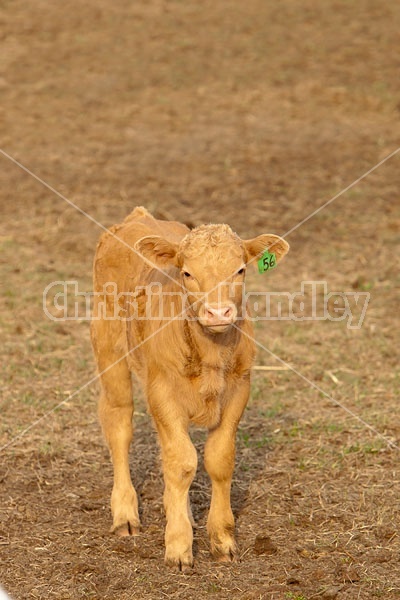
x: 266, y: 262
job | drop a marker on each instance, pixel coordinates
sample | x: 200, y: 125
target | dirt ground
x: 255, y: 114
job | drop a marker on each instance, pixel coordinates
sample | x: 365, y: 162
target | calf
x: 178, y: 323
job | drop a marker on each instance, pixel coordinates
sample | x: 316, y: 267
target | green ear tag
x: 266, y: 262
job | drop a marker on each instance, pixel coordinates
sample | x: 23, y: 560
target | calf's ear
x: 157, y: 250
x: 273, y: 243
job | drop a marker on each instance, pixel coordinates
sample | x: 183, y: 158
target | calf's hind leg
x: 115, y: 412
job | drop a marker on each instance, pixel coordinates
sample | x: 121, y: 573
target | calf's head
x: 212, y: 262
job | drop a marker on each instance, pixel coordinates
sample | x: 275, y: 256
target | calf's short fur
x: 177, y: 324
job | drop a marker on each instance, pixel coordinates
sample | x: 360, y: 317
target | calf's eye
x: 186, y: 274
x: 241, y: 271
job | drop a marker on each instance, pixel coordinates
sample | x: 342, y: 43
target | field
x: 256, y: 114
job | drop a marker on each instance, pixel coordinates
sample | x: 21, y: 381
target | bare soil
x: 255, y: 114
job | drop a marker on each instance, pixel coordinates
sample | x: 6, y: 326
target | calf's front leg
x: 179, y: 458
x: 179, y: 465
x: 219, y: 460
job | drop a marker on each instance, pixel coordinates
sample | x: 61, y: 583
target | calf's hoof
x: 126, y: 529
x: 224, y: 551
x: 124, y: 508
x: 226, y: 558
x: 179, y: 561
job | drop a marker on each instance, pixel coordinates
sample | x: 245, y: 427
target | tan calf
x: 178, y: 325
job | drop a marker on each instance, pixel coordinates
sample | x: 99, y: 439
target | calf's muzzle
x: 217, y: 317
